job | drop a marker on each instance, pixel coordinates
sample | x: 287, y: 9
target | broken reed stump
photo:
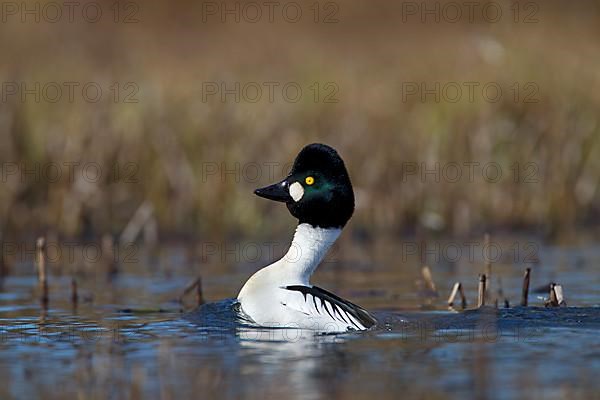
x: 453, y: 294
x: 428, y: 278
x: 552, y: 302
x: 556, y: 296
x: 558, y: 292
x: 481, y: 297
x: 40, y: 261
x: 196, y: 284
x: 463, y: 298
x: 74, y: 295
x: 525, y: 291
x: 456, y: 290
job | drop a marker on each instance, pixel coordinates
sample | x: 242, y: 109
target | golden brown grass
x: 171, y: 134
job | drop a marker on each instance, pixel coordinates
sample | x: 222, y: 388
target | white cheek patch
x: 296, y: 191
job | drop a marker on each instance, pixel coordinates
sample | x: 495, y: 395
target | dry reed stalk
x: 2, y: 269
x: 501, y: 294
x: 199, y: 295
x: 525, y: 291
x: 481, y: 297
x: 487, y: 267
x: 487, y: 260
x: 463, y: 298
x: 558, y: 292
x: 556, y: 296
x: 552, y: 301
x: 41, y: 268
x: 108, y: 254
x: 453, y: 294
x: 428, y: 278
x: 2, y: 264
x: 458, y: 288
x: 74, y: 295
x: 140, y: 218
x: 196, y: 284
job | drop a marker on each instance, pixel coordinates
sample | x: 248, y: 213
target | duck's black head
x: 318, y: 190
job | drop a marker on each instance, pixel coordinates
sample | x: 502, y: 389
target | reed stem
x: 74, y: 294
x: 481, y: 297
x: 41, y: 268
x: 525, y: 291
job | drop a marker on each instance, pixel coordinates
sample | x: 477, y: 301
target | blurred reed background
x: 166, y: 145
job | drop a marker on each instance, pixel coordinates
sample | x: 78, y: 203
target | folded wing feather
x: 335, y: 307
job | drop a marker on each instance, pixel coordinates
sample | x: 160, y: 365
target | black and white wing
x: 336, y: 308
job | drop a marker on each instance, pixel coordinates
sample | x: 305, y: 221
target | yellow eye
x: 309, y: 180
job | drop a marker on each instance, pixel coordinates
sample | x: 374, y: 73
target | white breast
x: 264, y: 298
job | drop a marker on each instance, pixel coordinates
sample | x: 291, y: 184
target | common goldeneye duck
x: 319, y: 194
